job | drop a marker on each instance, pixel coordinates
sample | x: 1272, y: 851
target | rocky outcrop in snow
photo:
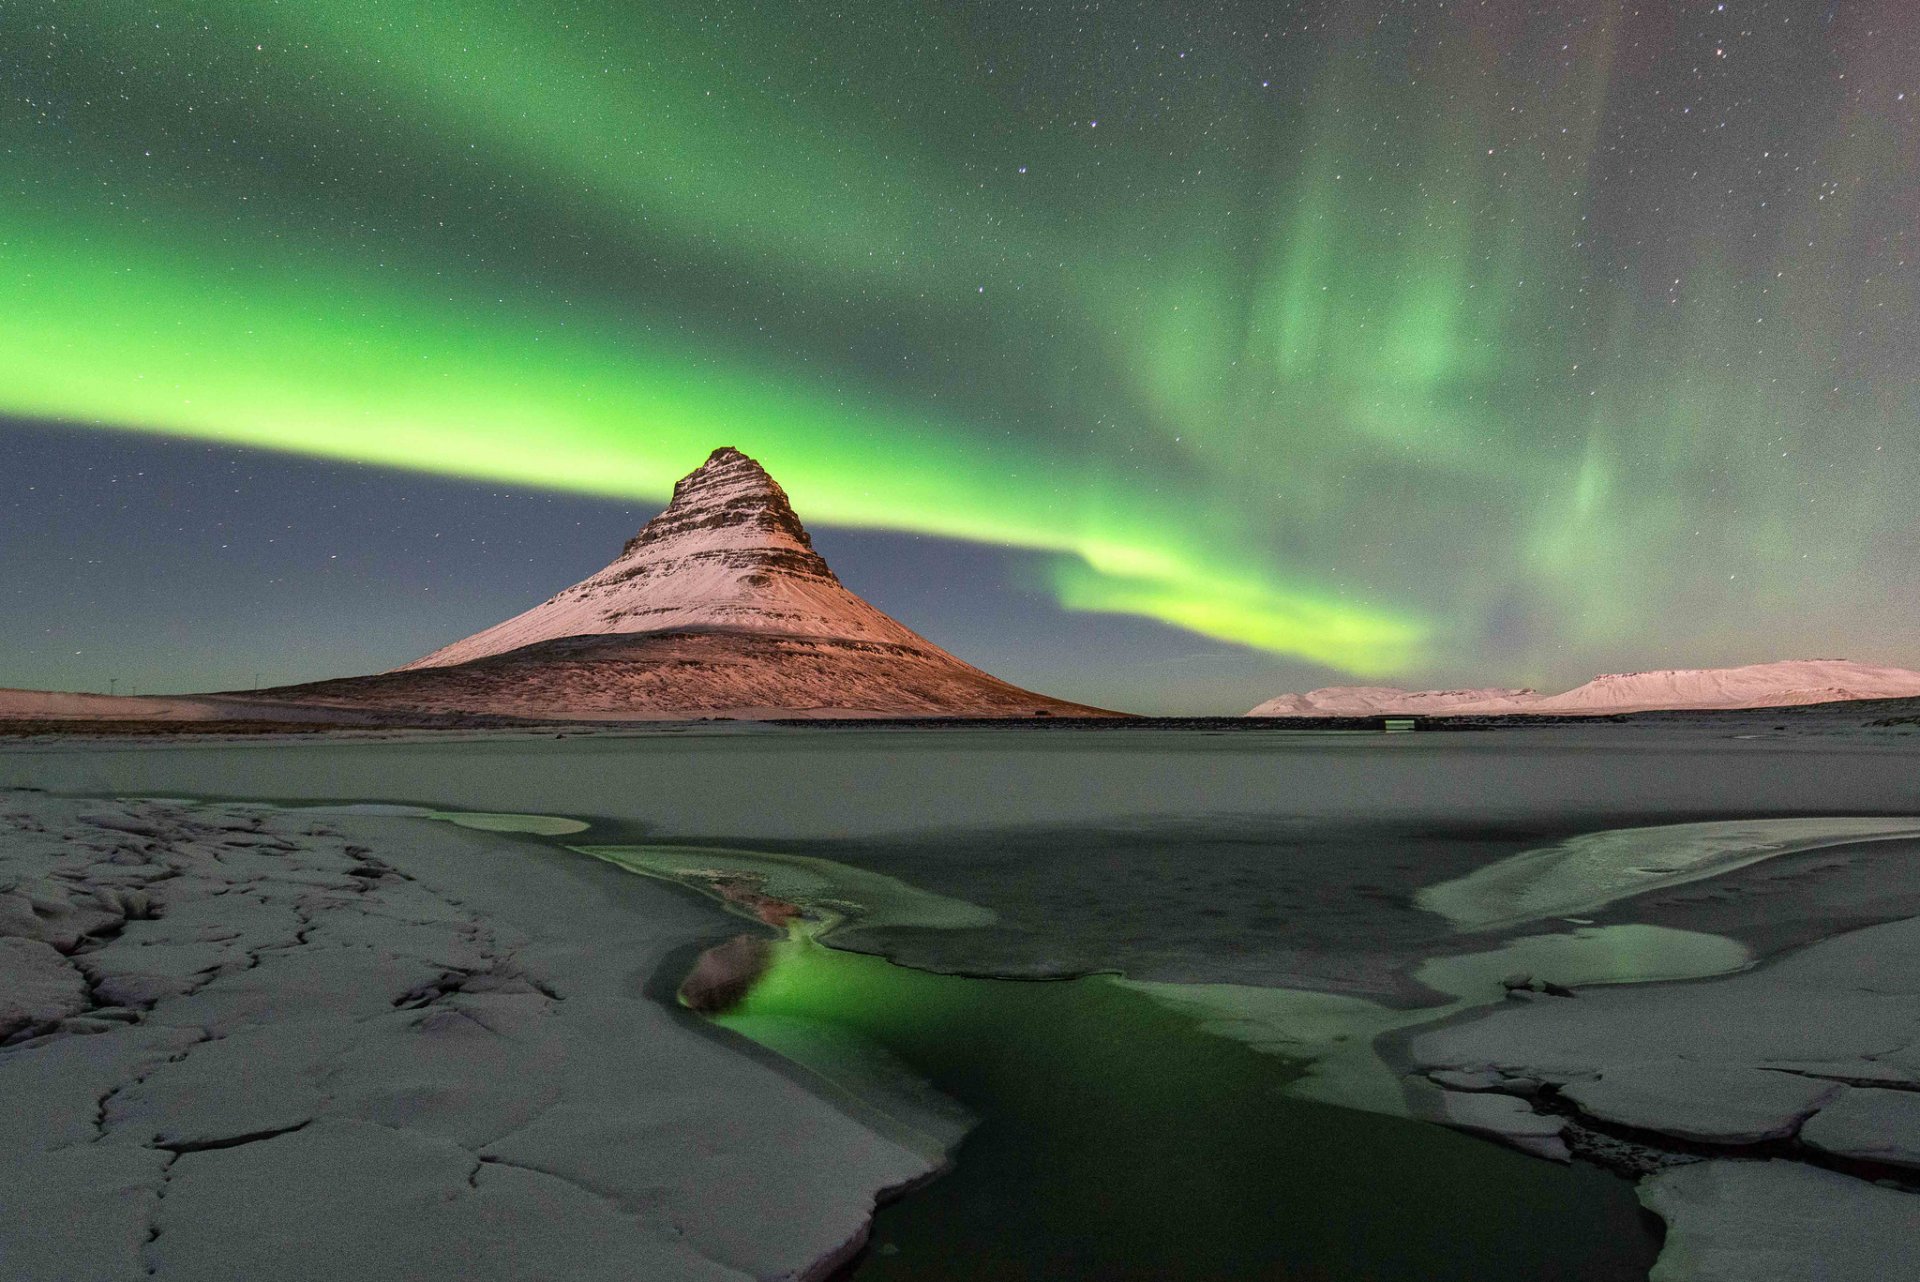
x: 1756, y: 685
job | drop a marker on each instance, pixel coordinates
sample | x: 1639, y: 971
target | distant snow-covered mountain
x: 1368, y: 701
x: 1756, y: 685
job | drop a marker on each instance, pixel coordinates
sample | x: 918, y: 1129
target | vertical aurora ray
x: 1404, y: 342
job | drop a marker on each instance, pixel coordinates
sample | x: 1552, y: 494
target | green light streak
x: 648, y: 111
x: 1322, y: 629
x: 322, y: 356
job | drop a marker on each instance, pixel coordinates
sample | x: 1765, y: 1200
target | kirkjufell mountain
x: 728, y: 554
x: 720, y: 606
x: 1757, y: 685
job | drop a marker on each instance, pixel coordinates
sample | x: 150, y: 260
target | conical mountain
x: 727, y: 554
x: 720, y: 606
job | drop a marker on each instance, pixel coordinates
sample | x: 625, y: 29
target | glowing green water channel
x: 1115, y: 1140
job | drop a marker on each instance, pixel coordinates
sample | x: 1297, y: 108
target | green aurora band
x: 1336, y: 337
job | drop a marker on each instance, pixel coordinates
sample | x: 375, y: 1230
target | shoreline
x: 240, y: 714
x: 1772, y: 1115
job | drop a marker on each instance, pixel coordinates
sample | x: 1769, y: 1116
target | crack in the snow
x: 229, y: 1141
x: 1842, y: 1079
x: 609, y: 1200
x: 153, y: 1215
x: 1636, y: 1151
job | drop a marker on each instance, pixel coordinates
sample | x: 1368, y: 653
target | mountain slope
x: 720, y: 606
x: 660, y: 675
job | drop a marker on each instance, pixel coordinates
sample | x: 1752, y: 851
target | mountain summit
x: 727, y: 554
x: 719, y: 607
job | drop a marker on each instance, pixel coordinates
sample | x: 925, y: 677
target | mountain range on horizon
x: 1786, y: 683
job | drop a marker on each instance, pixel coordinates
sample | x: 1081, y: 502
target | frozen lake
x: 1248, y: 857
x: 1254, y: 924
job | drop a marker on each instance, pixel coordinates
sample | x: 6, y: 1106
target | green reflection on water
x: 1115, y: 1140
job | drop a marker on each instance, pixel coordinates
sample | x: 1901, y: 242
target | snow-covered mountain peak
x: 728, y: 501
x: 728, y: 554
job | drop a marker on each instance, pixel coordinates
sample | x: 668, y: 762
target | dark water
x: 1117, y: 1142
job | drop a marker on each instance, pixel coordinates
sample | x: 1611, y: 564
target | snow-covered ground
x: 1810, y: 1064
x: 245, y: 1044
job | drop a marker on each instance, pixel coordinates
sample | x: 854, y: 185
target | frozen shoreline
x: 245, y: 1043
x: 1775, y: 1113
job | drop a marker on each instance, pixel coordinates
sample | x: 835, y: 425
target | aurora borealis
x: 1439, y: 342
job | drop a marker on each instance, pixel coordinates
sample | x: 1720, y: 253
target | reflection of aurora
x: 762, y: 986
x: 1374, y: 346
x: 1101, y: 1134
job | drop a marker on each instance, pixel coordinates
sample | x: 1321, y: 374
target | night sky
x: 1160, y: 355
